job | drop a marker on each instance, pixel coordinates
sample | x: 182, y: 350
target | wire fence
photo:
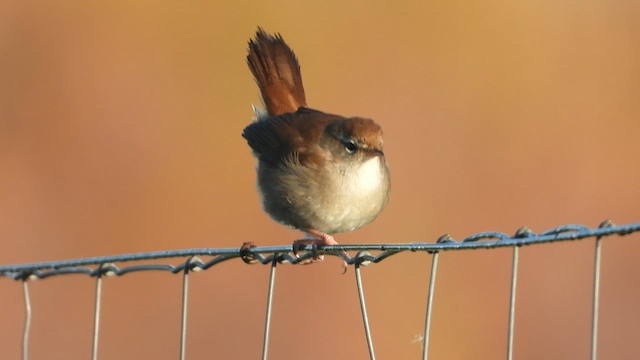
x: 120, y: 265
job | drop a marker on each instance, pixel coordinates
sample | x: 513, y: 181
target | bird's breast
x: 359, y: 194
x: 337, y: 197
x: 367, y: 177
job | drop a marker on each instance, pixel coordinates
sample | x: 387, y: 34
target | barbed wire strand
x: 267, y: 320
x: 512, y: 302
x: 363, y: 307
x: 27, y: 319
x: 97, y: 306
x: 430, y: 293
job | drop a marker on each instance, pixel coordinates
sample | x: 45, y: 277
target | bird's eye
x: 350, y: 146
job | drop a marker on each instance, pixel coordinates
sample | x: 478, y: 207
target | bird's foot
x: 247, y: 256
x: 319, y: 239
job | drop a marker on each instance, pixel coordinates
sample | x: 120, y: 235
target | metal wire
x: 96, y: 316
x: 27, y: 320
x: 596, y: 301
x: 427, y: 321
x: 184, y: 307
x: 363, y: 307
x: 483, y: 240
x: 283, y: 254
x: 267, y: 320
x: 512, y: 302
x: 596, y: 292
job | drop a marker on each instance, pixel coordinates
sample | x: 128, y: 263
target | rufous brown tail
x: 277, y: 72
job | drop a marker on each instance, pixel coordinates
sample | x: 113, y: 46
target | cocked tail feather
x: 277, y: 72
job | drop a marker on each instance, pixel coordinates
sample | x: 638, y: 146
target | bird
x: 318, y: 172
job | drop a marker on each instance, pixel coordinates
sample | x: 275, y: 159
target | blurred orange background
x: 120, y: 132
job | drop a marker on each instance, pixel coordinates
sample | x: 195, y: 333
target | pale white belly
x: 360, y: 194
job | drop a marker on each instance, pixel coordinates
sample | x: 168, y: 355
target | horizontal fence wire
x: 106, y: 265
x: 274, y: 255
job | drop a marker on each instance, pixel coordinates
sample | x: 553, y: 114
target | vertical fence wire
x: 427, y: 321
x: 27, y: 319
x: 596, y: 300
x: 512, y: 302
x: 184, y: 308
x: 267, y: 320
x: 363, y: 307
x: 96, y: 315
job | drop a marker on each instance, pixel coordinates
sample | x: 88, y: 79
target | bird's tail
x: 277, y: 72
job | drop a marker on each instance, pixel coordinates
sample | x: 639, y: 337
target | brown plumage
x: 318, y: 172
x: 277, y: 72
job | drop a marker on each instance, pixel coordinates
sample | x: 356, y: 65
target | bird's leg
x: 322, y: 238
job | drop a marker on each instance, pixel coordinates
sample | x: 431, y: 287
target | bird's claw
x: 246, y: 255
x: 301, y: 244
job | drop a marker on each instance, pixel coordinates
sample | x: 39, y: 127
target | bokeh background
x: 120, y: 128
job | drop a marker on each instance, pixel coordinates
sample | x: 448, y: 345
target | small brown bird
x: 317, y: 172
